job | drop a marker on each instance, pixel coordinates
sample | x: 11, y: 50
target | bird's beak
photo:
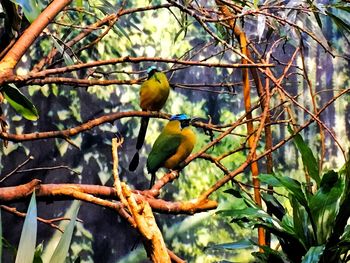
x: 197, y: 119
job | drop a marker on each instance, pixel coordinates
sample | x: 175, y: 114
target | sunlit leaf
x: 31, y: 8
x: 79, y: 3
x: 20, y: 102
x: 121, y: 31
x: 260, y: 26
x: 314, y: 254
x: 105, y: 7
x: 61, y: 251
x: 27, y: 242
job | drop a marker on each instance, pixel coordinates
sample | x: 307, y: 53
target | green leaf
x: 293, y: 187
x: 67, y: 59
x: 31, y: 8
x: 242, y: 244
x: 314, y: 254
x: 20, y: 102
x: 268, y: 255
x: 233, y: 192
x: 339, y: 22
x: 307, y: 156
x: 38, y: 253
x: 301, y: 222
x: 273, y: 205
x: 105, y: 7
x: 342, y: 6
x: 61, y: 251
x: 79, y: 3
x: 27, y: 242
x: 120, y: 31
x: 325, y: 204
x: 270, y: 179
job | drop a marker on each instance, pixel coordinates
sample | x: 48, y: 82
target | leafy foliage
x: 308, y: 233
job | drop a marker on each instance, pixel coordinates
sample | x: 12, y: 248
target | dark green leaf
x: 233, y: 192
x: 67, y: 59
x: 179, y: 33
x: 19, y: 102
x: 342, y: 6
x: 339, y: 22
x: 314, y: 254
x: 27, y: 242
x: 270, y: 179
x: 38, y: 253
x: 307, y: 156
x: 324, y: 204
x: 293, y: 187
x: 268, y: 255
x: 273, y: 205
x: 121, y: 31
x: 301, y: 222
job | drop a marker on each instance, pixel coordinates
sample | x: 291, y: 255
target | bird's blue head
x: 179, y: 117
x: 151, y: 70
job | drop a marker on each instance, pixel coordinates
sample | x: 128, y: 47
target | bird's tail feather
x: 142, y: 132
x: 140, y: 140
x: 134, y: 162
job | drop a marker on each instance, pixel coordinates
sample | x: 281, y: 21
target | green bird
x: 153, y: 94
x: 173, y: 145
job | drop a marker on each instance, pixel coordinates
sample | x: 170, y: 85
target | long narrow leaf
x: 26, y: 247
x: 307, y: 156
x: 61, y: 251
x: 314, y: 254
x: 20, y: 102
x: 234, y: 245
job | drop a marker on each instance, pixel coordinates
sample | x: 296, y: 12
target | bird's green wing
x: 164, y: 147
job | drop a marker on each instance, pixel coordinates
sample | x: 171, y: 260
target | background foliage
x: 197, y: 91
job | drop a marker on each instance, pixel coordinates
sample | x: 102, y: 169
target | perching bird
x: 153, y: 95
x: 173, y: 145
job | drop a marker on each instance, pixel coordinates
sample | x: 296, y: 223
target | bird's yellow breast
x: 154, y: 92
x: 184, y: 150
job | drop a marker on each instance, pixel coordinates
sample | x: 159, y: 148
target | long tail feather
x: 134, y: 162
x: 142, y: 132
x: 140, y: 140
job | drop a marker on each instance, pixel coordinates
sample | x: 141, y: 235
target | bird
x: 153, y: 94
x: 174, y: 144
